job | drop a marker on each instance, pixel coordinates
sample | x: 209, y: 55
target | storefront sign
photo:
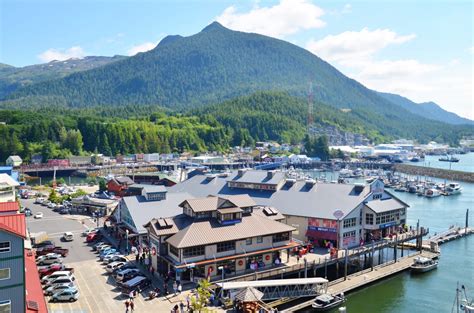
x: 323, y: 225
x: 381, y: 226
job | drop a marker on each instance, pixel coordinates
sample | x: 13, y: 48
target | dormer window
x: 229, y: 216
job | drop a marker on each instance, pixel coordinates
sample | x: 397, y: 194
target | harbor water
x: 465, y: 164
x: 434, y: 291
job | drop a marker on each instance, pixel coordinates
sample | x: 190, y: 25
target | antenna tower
x: 310, y: 107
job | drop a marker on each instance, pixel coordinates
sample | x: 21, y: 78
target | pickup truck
x: 48, y: 270
x: 49, y: 249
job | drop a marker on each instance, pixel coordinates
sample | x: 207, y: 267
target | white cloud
x: 346, y: 9
x: 352, y: 46
x: 62, y: 54
x: 146, y: 46
x: 285, y: 18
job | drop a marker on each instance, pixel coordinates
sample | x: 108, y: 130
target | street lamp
x: 126, y: 241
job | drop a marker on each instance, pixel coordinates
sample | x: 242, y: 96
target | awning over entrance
x: 316, y: 234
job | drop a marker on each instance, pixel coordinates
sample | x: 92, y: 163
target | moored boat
x: 325, y: 302
x: 432, y: 193
x: 453, y: 189
x: 422, y: 265
x: 448, y: 159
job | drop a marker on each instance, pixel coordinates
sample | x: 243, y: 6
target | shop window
x: 369, y: 219
x: 225, y: 246
x: 351, y: 222
x: 193, y: 251
x: 259, y: 239
x: 249, y: 241
x: 174, y: 251
x: 281, y: 237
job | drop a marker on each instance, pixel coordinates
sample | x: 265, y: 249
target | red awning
x: 321, y: 235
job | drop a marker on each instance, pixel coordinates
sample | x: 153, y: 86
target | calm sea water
x: 433, y: 291
x: 465, y: 164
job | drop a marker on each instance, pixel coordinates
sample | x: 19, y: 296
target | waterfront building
x: 215, y: 234
x: 94, y: 205
x: 344, y: 215
x: 79, y: 160
x: 118, y: 185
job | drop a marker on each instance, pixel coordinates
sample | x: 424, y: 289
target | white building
x: 7, y: 188
x: 14, y: 160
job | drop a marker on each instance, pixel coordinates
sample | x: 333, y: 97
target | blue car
x: 107, y: 252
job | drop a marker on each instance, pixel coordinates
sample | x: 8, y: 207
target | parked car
x: 96, y: 245
x: 52, y: 249
x: 112, y: 266
x: 103, y: 253
x: 68, y: 236
x: 66, y: 295
x: 27, y: 212
x: 44, y: 243
x: 64, y: 211
x: 114, y: 258
x: 51, y: 205
x: 49, y: 258
x: 138, y: 282
x: 49, y: 278
x: 93, y: 237
x: 127, y: 266
x: 50, y: 269
x: 39, y: 200
x: 60, y: 280
x: 89, y: 231
x: 127, y: 274
x: 103, y: 247
x: 39, y: 215
x: 45, y: 203
x: 57, y: 288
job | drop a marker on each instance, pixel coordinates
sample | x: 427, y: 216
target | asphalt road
x: 56, y: 224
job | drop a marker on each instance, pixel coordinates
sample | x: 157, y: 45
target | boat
x: 401, y: 189
x: 461, y: 302
x: 453, y: 189
x: 415, y: 159
x: 432, y: 193
x: 422, y: 265
x: 448, y: 159
x: 325, y: 302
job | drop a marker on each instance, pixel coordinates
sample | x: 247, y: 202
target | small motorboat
x: 449, y: 159
x: 325, y: 302
x: 432, y: 193
x: 453, y: 189
x: 422, y: 265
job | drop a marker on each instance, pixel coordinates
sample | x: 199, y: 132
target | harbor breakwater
x: 434, y: 172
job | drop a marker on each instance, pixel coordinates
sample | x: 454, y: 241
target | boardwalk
x: 366, y: 277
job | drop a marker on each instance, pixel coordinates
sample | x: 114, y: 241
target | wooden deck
x: 366, y: 277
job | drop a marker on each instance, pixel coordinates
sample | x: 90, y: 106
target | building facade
x: 7, y: 188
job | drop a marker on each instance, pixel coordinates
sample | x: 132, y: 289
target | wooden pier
x: 432, y: 243
x: 366, y: 277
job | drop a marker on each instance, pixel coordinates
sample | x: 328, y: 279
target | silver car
x: 70, y: 294
x: 57, y: 288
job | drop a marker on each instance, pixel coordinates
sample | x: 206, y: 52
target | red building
x: 118, y: 185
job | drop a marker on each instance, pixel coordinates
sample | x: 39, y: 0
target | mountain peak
x: 213, y: 26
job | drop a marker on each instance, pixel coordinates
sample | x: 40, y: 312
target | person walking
x: 132, y: 306
x: 181, y: 306
x: 175, y: 287
x: 180, y: 288
x: 127, y: 304
x: 188, y: 302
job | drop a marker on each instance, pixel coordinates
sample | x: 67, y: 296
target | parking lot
x: 97, y: 290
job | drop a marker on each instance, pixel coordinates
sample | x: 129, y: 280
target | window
x: 350, y: 222
x: 4, y: 273
x: 4, y: 246
x: 281, y: 237
x: 193, y: 251
x: 249, y: 241
x: 349, y: 234
x: 174, y: 251
x: 5, y: 306
x: 387, y: 217
x: 369, y: 219
x: 259, y: 239
x: 225, y: 246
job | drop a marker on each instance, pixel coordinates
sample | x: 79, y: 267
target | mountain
x: 429, y: 110
x: 12, y: 78
x: 218, y: 64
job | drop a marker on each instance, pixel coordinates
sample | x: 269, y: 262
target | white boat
x: 325, y: 302
x: 453, y: 188
x: 432, y: 193
x: 422, y: 265
x: 462, y: 301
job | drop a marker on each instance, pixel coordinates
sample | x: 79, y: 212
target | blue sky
x: 420, y: 49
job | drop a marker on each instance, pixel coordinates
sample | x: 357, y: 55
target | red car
x: 93, y: 237
x: 58, y: 250
x: 51, y: 269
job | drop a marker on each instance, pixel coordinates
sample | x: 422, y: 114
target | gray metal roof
x: 241, y: 201
x: 142, y: 211
x: 319, y: 200
x: 379, y: 206
x: 154, y: 188
x: 257, y: 177
x: 209, y: 203
x: 229, y: 210
x: 124, y: 180
x: 249, y: 294
x: 204, y: 232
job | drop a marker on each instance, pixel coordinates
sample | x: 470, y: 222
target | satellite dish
x: 338, y: 214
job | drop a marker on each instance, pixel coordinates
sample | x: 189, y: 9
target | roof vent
x: 210, y: 177
x: 310, y: 182
x: 359, y: 187
x: 224, y: 174
x: 269, y: 211
x: 290, y: 181
x: 241, y: 172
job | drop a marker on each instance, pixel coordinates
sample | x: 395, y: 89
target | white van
x: 112, y: 266
x: 55, y: 275
x: 68, y: 236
